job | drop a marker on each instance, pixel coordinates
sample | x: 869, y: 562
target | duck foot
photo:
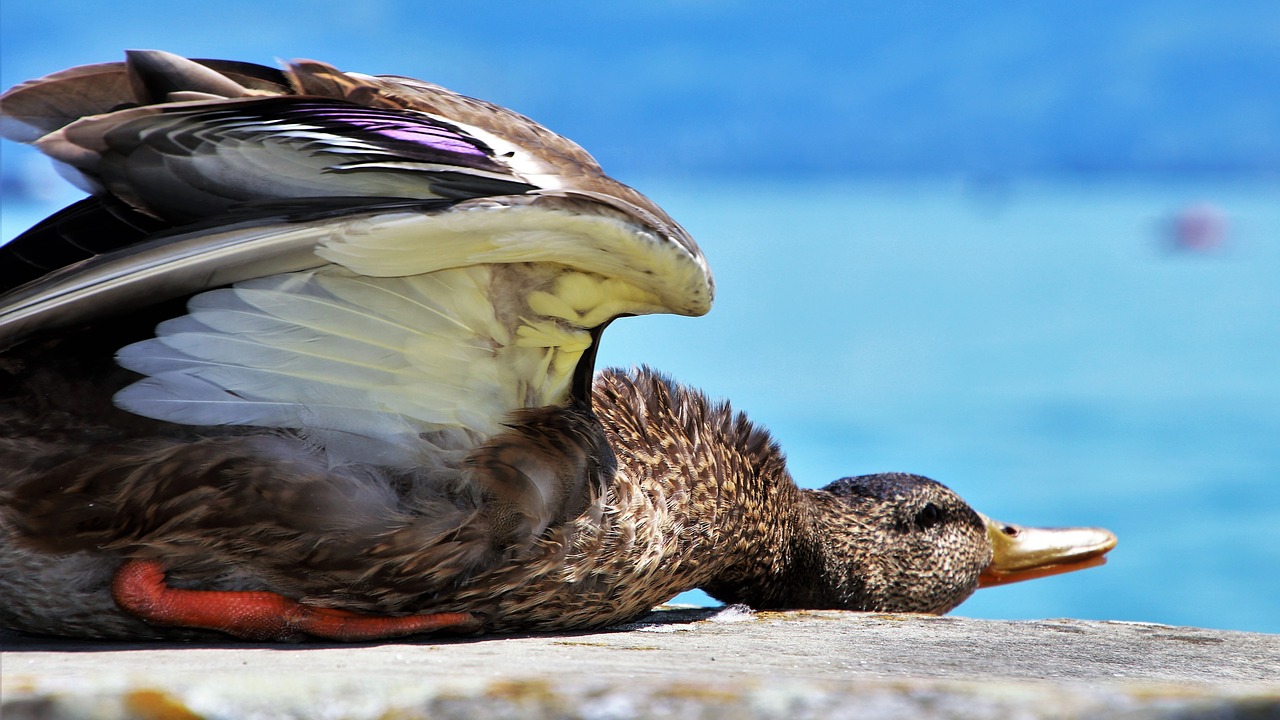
x: 140, y: 589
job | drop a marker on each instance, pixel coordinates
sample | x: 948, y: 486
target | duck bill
x: 1023, y: 553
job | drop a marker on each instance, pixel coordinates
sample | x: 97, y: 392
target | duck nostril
x: 1009, y: 530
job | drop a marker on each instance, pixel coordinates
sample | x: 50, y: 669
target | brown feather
x: 700, y: 498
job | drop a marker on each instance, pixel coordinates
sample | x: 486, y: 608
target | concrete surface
x: 675, y: 663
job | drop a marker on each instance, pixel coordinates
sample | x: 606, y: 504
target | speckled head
x: 898, y: 542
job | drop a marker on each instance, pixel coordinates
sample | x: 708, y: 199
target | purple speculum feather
x: 389, y: 134
x: 416, y: 130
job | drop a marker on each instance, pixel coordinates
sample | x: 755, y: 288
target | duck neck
x: 734, y: 522
x: 768, y: 556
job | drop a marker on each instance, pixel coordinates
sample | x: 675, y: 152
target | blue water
x: 1039, y: 347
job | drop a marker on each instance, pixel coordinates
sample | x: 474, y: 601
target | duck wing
x: 390, y: 270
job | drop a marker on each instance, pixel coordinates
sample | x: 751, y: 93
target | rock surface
x: 675, y: 663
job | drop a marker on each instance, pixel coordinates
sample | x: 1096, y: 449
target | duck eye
x: 928, y: 516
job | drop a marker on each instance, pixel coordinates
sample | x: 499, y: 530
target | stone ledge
x: 676, y: 663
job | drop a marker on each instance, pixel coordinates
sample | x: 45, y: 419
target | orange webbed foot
x: 139, y: 588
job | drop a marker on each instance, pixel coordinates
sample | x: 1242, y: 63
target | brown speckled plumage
x: 700, y: 498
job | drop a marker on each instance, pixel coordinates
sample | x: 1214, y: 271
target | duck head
x: 905, y: 543
x: 896, y: 542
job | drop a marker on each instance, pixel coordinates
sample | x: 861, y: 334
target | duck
x: 315, y: 360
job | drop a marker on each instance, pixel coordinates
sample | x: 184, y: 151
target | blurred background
x: 1029, y: 249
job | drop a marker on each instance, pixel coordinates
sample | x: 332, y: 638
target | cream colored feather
x: 445, y: 355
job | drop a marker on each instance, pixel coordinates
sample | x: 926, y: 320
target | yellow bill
x: 1023, y: 553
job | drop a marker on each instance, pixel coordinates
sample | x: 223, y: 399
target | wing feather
x: 391, y: 270
x: 306, y: 348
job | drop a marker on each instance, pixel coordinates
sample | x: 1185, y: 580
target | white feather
x: 339, y: 357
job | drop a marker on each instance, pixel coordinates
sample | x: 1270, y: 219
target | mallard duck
x: 315, y: 358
